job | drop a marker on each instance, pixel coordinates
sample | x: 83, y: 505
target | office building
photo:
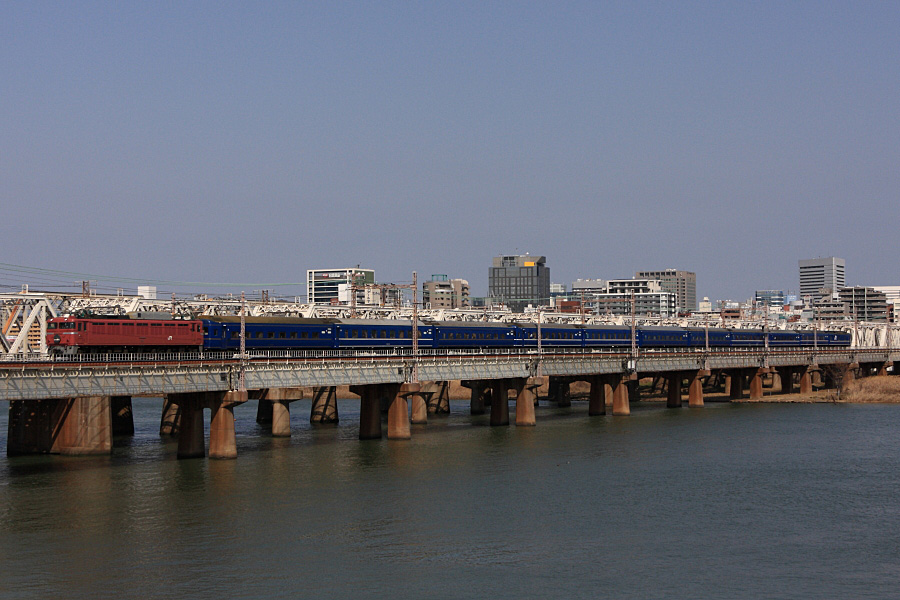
x: 519, y: 281
x: 614, y: 297
x: 865, y: 303
x: 771, y: 298
x: 442, y: 292
x: 820, y: 277
x: 681, y: 283
x: 323, y: 285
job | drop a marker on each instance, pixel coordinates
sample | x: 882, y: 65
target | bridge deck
x: 134, y: 375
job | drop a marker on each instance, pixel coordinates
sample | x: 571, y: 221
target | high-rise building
x: 519, y: 280
x: 865, y: 303
x: 681, y: 283
x: 323, y: 286
x: 820, y: 277
x: 441, y: 292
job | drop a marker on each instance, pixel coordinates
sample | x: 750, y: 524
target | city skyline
x: 239, y: 143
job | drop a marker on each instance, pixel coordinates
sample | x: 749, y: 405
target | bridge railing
x: 406, y: 354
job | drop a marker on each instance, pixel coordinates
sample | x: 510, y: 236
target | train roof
x: 271, y: 320
x: 553, y: 326
x: 472, y: 324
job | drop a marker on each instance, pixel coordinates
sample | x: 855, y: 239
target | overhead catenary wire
x: 58, y: 276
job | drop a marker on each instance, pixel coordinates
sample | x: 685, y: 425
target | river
x: 727, y: 501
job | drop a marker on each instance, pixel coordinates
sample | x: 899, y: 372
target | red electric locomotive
x: 73, y: 335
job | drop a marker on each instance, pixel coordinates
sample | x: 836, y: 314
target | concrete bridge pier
x: 324, y: 409
x: 122, y: 415
x: 526, y: 392
x: 222, y: 442
x: 84, y: 427
x: 849, y: 375
x: 756, y: 383
x: 786, y: 377
x: 280, y: 400
x: 191, y: 442
x: 695, y: 389
x: 735, y: 384
x: 828, y: 377
x: 500, y: 402
x: 480, y: 391
x: 621, y: 406
x: 559, y: 391
x: 418, y: 409
x: 31, y: 426
x: 609, y: 387
x: 597, y: 398
x: 805, y: 380
x: 170, y: 422
x: 673, y: 390
x: 634, y: 390
x: 71, y: 426
x: 369, y: 410
x: 398, y: 411
x: 264, y: 408
x: 437, y: 397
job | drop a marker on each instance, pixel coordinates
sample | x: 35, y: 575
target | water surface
x: 728, y: 501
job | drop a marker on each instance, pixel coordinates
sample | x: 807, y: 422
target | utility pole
x: 415, y: 330
x: 242, y: 385
x: 634, y: 350
x: 539, y: 349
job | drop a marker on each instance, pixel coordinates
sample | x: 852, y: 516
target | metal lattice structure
x: 23, y: 317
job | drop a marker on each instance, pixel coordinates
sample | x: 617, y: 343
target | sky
x: 246, y: 142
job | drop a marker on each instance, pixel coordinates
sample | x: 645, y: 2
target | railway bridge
x: 76, y: 406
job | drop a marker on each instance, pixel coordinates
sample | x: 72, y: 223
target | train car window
x: 383, y: 333
x: 314, y: 335
x: 282, y: 335
x: 270, y: 335
x: 304, y: 335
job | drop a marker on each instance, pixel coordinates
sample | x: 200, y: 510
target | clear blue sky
x: 248, y: 142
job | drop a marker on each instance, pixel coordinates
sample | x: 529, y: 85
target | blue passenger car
x: 455, y: 334
x: 779, y: 339
x: 662, y: 337
x: 719, y: 337
x: 224, y: 333
x: 372, y: 333
x: 552, y: 335
x: 607, y: 336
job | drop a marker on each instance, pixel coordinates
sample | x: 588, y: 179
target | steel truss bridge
x: 24, y: 315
